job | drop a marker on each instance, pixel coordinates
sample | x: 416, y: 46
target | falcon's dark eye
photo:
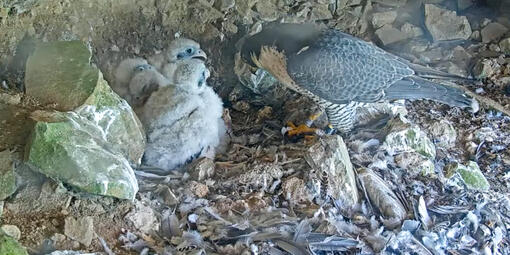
x: 189, y: 50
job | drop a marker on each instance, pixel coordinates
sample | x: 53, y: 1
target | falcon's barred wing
x: 413, y: 88
x: 341, y: 68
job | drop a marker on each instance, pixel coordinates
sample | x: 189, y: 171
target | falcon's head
x: 182, y: 49
x: 191, y: 75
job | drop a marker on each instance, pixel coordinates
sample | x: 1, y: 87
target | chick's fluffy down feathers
x: 181, y: 124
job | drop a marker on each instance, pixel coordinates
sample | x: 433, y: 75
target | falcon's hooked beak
x: 200, y: 54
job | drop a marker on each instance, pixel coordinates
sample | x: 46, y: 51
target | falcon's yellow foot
x: 294, y: 132
x: 302, y: 130
x: 306, y: 131
x: 310, y: 134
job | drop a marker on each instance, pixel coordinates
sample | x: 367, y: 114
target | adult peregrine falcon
x: 341, y: 72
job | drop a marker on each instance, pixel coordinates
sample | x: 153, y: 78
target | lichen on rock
x: 415, y: 163
x: 332, y: 167
x: 7, y: 177
x: 92, y: 146
x: 406, y: 138
x: 470, y: 174
x: 9, y: 246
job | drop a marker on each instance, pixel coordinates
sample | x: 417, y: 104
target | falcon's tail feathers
x: 429, y: 73
x: 414, y: 88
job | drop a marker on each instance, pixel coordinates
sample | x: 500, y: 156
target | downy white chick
x: 183, y: 120
x: 178, y: 50
x: 135, y: 80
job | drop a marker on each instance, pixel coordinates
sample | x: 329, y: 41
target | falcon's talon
x: 309, y: 139
x: 330, y: 130
x: 320, y: 132
x: 285, y: 130
x: 292, y: 130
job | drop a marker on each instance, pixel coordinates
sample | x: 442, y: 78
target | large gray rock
x: 492, y: 32
x: 91, y: 147
x: 332, y: 167
x: 74, y: 151
x: 12, y: 231
x: 380, y: 19
x: 464, y: 4
x: 388, y: 34
x: 7, y: 177
x: 396, y: 3
x: 446, y: 25
x: 58, y: 73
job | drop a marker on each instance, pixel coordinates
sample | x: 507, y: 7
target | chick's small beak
x: 200, y: 54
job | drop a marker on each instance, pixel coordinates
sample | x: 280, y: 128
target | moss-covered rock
x: 119, y: 123
x: 470, y: 174
x: 9, y: 246
x: 60, y: 73
x: 76, y: 152
x: 92, y: 146
x: 410, y: 139
x: 7, y: 177
x: 415, y: 163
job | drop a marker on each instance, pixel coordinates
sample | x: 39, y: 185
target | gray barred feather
x: 341, y: 68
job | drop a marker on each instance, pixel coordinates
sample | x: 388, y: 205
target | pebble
x: 380, y: 19
x: 80, y: 230
x: 12, y: 231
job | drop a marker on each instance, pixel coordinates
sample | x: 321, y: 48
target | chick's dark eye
x: 189, y: 50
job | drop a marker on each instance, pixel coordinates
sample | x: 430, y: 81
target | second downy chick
x: 183, y: 120
x: 135, y: 80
